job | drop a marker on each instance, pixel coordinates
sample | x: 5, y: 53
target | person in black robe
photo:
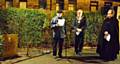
x: 108, y: 42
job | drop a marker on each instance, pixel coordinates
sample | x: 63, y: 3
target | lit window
x: 23, y: 3
x: 72, y: 1
x: 9, y: 3
x: 108, y: 4
x: 93, y: 6
x: 23, y: 0
x: 72, y: 4
x: 71, y: 7
x: 57, y: 7
x: 60, y: 4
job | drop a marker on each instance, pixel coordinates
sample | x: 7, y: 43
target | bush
x: 94, y: 22
x: 32, y: 25
x: 28, y: 23
x: 3, y: 21
x: 69, y: 16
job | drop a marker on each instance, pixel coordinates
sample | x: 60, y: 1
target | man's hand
x: 65, y: 36
x: 107, y: 36
x: 106, y: 33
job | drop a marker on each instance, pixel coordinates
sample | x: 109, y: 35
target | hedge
x: 94, y: 22
x: 30, y: 23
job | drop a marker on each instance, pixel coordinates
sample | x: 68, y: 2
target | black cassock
x: 108, y: 50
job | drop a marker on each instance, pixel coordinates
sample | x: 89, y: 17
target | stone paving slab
x: 88, y: 56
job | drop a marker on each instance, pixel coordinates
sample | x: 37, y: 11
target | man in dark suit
x: 79, y: 25
x: 59, y: 31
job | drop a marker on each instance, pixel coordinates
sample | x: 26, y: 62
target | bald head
x: 110, y: 13
x: 79, y: 12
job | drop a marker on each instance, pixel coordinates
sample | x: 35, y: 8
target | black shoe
x: 78, y: 54
x: 54, y: 54
x: 60, y: 56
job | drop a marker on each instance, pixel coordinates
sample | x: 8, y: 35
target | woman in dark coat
x: 108, y: 42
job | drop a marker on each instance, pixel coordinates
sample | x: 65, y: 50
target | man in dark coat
x: 79, y: 25
x: 59, y: 31
x: 108, y: 42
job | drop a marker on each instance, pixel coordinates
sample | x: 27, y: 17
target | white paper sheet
x: 108, y: 37
x: 61, y: 22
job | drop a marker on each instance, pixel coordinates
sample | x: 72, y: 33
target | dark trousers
x: 58, y: 41
x: 79, y: 40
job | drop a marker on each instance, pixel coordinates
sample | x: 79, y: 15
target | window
x: 57, y: 6
x: 43, y: 4
x: 60, y: 4
x: 23, y: 0
x: 9, y: 3
x: 72, y: 1
x: 71, y: 7
x: 93, y: 6
x: 108, y: 4
x: 23, y: 3
x: 72, y: 4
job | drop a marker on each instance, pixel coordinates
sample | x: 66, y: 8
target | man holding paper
x: 108, y: 42
x: 59, y: 31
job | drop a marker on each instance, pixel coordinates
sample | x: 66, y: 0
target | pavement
x: 88, y: 56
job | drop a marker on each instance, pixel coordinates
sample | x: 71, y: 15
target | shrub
x: 3, y: 21
x: 31, y: 24
x: 28, y: 23
x: 94, y: 22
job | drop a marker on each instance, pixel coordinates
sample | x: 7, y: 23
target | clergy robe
x: 108, y: 50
